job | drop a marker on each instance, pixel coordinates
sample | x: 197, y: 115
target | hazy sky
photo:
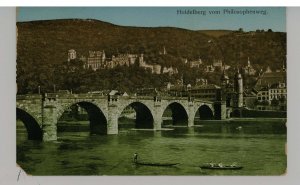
x: 275, y: 18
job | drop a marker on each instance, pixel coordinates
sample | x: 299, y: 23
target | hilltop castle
x: 98, y: 60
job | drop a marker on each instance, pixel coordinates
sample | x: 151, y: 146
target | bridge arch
x: 96, y: 117
x: 33, y: 128
x: 178, y: 113
x: 144, y: 115
x: 205, y: 112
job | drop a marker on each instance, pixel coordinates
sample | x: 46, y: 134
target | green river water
x: 257, y: 145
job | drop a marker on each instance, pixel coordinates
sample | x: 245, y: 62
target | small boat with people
x: 220, y: 166
x: 135, y: 161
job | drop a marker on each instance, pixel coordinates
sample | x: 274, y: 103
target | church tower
x: 238, y: 89
x: 224, y: 87
x: 164, y: 51
x: 283, y: 67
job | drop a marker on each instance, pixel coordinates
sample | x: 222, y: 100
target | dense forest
x: 42, y: 48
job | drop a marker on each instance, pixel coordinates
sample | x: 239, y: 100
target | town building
x: 201, y: 81
x: 263, y: 94
x: 209, y: 69
x: 170, y: 70
x: 203, y: 91
x: 218, y: 63
x: 271, y: 90
x: 277, y: 91
x: 196, y: 63
x: 269, y: 78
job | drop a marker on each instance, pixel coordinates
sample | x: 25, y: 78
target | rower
x: 135, y: 157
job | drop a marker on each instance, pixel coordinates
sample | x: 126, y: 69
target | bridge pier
x: 112, y: 121
x: 190, y: 121
x: 220, y: 110
x: 157, y: 123
x: 49, y: 123
x: 191, y: 114
x: 112, y: 125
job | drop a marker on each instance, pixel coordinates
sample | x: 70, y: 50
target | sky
x: 192, y: 18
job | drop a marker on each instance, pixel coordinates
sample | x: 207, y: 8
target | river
x: 257, y: 145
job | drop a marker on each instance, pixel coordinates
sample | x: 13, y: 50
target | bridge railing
x: 28, y: 96
x: 101, y: 96
x: 71, y: 96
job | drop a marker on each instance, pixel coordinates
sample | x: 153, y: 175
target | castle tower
x: 71, y: 54
x: 249, y: 65
x: 103, y: 56
x: 141, y: 60
x: 224, y: 85
x: 238, y: 89
x: 165, y: 51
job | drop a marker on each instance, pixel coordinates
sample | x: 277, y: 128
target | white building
x: 71, y: 54
x: 263, y: 94
x: 196, y: 63
x: 277, y: 91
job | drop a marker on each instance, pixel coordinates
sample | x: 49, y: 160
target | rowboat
x: 135, y: 161
x: 214, y: 166
x: 155, y: 164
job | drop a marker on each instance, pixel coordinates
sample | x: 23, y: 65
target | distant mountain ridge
x: 48, y: 41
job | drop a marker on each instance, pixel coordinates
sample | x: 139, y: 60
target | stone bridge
x: 40, y: 114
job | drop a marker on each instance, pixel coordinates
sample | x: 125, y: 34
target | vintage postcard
x: 151, y: 91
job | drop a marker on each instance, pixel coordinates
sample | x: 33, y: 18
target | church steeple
x: 249, y: 65
x: 224, y: 78
x: 103, y: 55
x: 283, y: 67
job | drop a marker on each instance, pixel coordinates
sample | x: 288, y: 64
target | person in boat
x: 233, y: 165
x: 220, y: 165
x: 135, y: 157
